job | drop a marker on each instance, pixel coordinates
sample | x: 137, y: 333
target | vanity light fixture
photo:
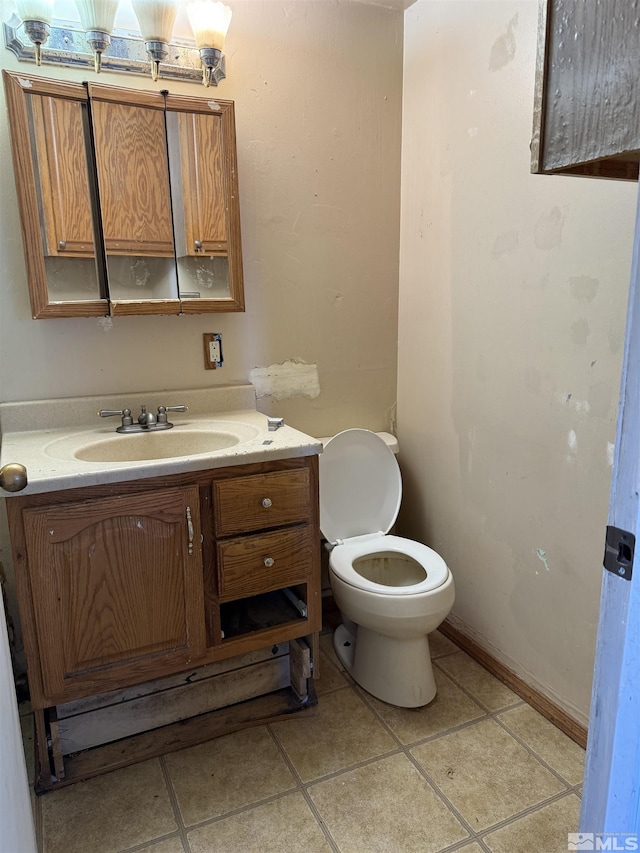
x: 209, y: 21
x: 156, y: 19
x: 35, y: 16
x: 97, y: 17
x: 33, y: 35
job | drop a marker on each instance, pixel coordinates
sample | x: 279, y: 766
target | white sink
x: 175, y: 443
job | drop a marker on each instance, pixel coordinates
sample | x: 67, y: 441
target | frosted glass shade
x: 156, y: 18
x: 35, y: 10
x: 97, y: 14
x: 209, y: 21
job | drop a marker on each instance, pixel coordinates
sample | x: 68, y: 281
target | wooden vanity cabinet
x: 266, y: 541
x: 126, y: 583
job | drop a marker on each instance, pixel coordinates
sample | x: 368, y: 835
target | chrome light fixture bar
x: 66, y: 43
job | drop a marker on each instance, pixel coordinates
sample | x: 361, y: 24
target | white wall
x: 513, y: 293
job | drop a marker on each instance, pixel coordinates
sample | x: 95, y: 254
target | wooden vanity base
x: 55, y: 768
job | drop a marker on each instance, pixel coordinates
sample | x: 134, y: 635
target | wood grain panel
x: 133, y: 179
x: 238, y: 503
x: 203, y: 183
x: 64, y: 179
x: 18, y: 89
x: 113, y: 585
x: 250, y: 565
x: 586, y: 106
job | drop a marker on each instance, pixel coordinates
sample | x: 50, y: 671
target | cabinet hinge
x: 618, y: 552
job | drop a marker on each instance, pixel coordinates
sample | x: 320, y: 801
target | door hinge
x: 618, y: 552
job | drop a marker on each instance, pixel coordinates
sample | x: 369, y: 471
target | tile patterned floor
x: 477, y: 771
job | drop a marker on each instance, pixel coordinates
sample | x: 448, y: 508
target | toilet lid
x: 360, y: 486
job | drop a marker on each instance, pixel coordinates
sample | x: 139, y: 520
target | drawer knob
x: 269, y: 561
x: 266, y: 502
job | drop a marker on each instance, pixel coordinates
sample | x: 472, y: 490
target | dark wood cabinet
x: 586, y: 112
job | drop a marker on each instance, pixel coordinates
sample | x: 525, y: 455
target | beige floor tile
x: 547, y: 741
x: 109, y: 813
x: 544, y: 830
x: 485, y: 773
x: 475, y: 848
x: 330, y: 676
x: 385, y: 807
x: 343, y: 732
x: 227, y: 773
x: 440, y: 645
x: 483, y: 686
x: 286, y: 825
x: 28, y: 742
x: 450, y: 708
x: 169, y: 845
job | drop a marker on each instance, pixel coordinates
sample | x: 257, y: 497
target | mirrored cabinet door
x: 51, y: 154
x: 135, y: 203
x: 204, y: 184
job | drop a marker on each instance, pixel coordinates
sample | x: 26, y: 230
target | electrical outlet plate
x: 212, y: 350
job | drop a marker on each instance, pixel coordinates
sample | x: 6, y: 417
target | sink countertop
x: 29, y: 428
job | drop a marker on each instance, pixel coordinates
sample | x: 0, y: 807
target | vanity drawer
x: 253, y: 564
x: 260, y: 501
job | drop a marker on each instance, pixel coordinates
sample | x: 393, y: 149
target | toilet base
x: 397, y: 671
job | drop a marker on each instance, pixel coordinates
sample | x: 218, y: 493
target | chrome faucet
x: 147, y: 421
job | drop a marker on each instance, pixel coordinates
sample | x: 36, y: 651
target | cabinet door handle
x: 198, y: 245
x: 269, y: 561
x: 266, y: 502
x: 190, y: 529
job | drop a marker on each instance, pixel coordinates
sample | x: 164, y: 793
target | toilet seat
x: 344, y: 555
x: 360, y: 494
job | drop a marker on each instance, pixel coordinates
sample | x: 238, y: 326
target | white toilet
x: 391, y: 591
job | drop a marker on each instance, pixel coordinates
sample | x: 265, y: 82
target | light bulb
x: 36, y: 15
x: 156, y: 19
x: 209, y: 21
x: 97, y: 17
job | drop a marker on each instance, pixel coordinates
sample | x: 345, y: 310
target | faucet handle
x: 162, y: 412
x: 127, y: 420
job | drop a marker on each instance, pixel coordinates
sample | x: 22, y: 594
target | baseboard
x: 545, y: 706
x: 573, y: 729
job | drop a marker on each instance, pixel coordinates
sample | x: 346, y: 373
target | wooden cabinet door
x: 203, y: 190
x: 117, y: 589
x: 133, y: 171
x: 59, y: 132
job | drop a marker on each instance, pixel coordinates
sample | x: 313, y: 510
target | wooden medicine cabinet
x: 128, y: 199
